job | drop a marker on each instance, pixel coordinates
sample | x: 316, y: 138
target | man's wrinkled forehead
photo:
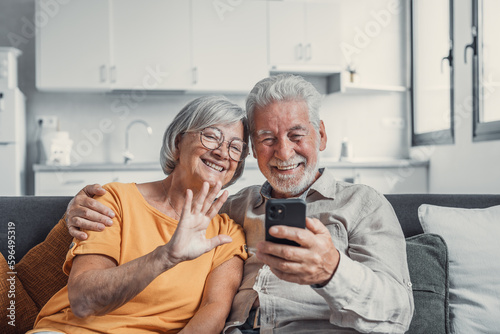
x: 264, y: 132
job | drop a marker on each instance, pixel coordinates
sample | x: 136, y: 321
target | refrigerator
x: 12, y: 127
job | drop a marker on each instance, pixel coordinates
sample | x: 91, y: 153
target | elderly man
x: 349, y: 273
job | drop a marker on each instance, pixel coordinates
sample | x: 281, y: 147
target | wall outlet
x: 47, y: 122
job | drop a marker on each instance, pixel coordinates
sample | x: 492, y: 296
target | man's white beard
x: 294, y: 185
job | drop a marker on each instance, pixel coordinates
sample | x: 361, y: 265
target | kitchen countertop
x: 94, y: 167
x: 373, y: 163
x: 250, y: 164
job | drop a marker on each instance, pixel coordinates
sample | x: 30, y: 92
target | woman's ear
x: 177, y: 144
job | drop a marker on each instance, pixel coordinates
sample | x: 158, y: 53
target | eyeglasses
x: 212, y: 138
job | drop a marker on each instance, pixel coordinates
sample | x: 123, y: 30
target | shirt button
x: 409, y: 284
x: 72, y: 244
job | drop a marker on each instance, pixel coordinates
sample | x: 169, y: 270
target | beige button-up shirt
x: 370, y: 291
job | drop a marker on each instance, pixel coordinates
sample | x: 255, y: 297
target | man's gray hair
x: 195, y: 116
x: 284, y: 87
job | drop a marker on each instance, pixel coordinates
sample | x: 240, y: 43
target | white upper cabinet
x: 304, y: 33
x: 229, y: 45
x: 116, y: 44
x: 197, y: 45
x: 286, y: 33
x: 323, y: 33
x: 73, y: 46
x: 150, y: 44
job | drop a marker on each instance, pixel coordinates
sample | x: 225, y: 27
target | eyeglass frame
x: 245, y: 147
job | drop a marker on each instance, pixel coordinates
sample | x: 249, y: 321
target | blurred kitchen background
x: 102, y: 79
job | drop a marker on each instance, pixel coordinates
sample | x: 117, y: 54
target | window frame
x: 481, y: 131
x: 439, y: 137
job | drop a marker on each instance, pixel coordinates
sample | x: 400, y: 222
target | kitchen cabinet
x: 184, y: 45
x: 229, y: 47
x: 395, y: 180
x: 67, y: 181
x: 304, y: 33
x: 403, y: 179
x: 151, y: 44
x: 125, y: 176
x: 125, y: 44
x: 73, y: 46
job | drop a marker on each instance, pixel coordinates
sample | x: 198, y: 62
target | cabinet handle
x: 195, y: 75
x: 308, y: 52
x: 112, y: 74
x: 102, y: 73
x: 299, y: 51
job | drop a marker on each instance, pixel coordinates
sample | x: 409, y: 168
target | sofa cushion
x: 23, y: 312
x: 428, y: 265
x: 472, y: 238
x: 40, y: 270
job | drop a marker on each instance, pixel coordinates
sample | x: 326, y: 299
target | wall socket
x: 47, y: 122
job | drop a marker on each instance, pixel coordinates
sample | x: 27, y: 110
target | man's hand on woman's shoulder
x: 85, y: 213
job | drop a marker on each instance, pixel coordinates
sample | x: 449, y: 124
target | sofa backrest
x: 406, y: 206
x: 33, y: 217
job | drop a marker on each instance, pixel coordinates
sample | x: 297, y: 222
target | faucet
x: 127, y: 154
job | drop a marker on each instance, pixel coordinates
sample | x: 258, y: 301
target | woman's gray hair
x: 195, y: 116
x: 284, y: 87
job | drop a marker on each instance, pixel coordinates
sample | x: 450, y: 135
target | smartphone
x: 289, y: 212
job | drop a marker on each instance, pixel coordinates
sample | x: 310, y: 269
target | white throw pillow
x: 473, y: 240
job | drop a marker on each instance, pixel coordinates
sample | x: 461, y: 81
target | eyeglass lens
x: 212, y: 138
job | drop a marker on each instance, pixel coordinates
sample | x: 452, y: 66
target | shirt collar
x: 326, y: 184
x: 322, y: 185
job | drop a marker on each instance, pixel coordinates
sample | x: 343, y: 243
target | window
x: 486, y: 69
x: 432, y: 72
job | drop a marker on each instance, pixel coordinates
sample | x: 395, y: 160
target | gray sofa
x: 38, y: 269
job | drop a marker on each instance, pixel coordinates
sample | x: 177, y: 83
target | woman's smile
x: 213, y: 165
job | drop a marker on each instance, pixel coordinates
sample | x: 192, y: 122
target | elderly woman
x: 169, y: 262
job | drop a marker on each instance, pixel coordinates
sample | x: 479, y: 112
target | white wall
x: 465, y: 167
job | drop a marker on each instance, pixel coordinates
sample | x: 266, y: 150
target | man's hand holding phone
x: 313, y: 261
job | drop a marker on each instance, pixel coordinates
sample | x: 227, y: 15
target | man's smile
x: 287, y: 167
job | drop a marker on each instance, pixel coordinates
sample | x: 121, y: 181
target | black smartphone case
x: 289, y: 212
